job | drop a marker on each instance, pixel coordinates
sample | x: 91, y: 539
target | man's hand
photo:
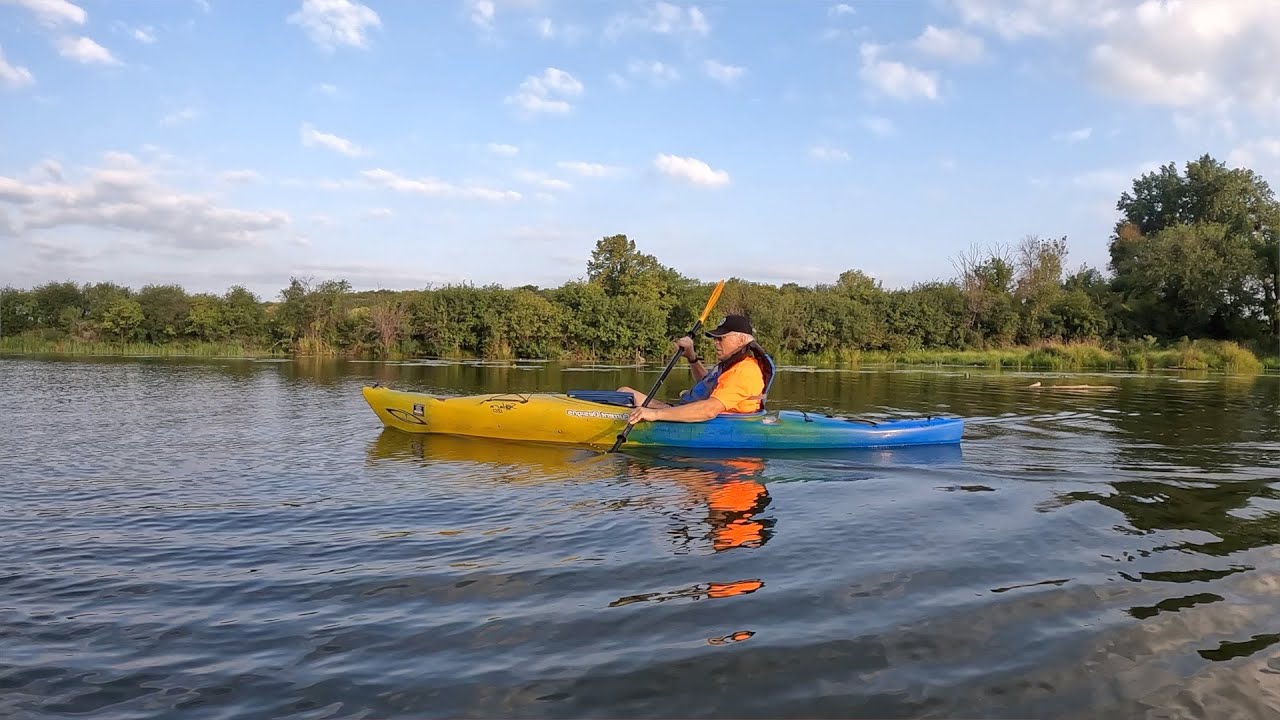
x: 642, y: 414
x: 686, y: 346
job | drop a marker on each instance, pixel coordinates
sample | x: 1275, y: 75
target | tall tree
x: 1225, y: 221
x: 165, y: 311
x: 640, y: 293
x: 1038, y: 284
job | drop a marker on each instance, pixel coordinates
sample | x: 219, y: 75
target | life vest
x: 703, y: 389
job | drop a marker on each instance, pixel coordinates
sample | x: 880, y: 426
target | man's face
x: 729, y: 344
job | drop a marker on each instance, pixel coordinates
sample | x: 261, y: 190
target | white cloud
x: 1261, y: 155
x: 1074, y: 136
x: 547, y: 29
x: 896, y: 79
x: 691, y: 169
x: 950, y: 44
x: 664, y: 19
x: 327, y: 88
x: 1204, y: 56
x: 51, y: 12
x: 239, y: 177
x: 545, y: 93
x: 433, y: 187
x: 311, y: 137
x: 1125, y: 73
x: 180, y: 116
x: 659, y: 73
x: 124, y: 195
x: 827, y: 154
x: 586, y: 169
x: 482, y: 12
x: 1013, y: 19
x: 84, y: 50
x: 14, y: 76
x: 1195, y: 54
x: 333, y: 23
x: 726, y: 74
x: 144, y: 34
x: 881, y: 126
x: 502, y: 149
x: 379, y: 212
x: 840, y: 9
x: 542, y: 180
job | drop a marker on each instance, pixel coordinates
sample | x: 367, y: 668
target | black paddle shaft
x: 622, y: 436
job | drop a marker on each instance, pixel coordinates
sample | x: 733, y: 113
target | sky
x: 402, y: 145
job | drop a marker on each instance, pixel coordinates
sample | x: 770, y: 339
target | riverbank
x: 1195, y: 355
x: 37, y: 346
x: 1136, y: 356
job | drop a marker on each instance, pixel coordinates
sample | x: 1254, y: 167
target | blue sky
x: 402, y: 144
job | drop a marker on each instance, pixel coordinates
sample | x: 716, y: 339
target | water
x: 231, y: 539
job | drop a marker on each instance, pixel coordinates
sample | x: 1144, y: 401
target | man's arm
x: 691, y: 354
x: 698, y: 369
x: 689, y: 412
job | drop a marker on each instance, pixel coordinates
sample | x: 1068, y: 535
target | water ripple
x: 237, y: 539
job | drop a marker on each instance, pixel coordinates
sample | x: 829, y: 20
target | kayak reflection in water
x: 737, y: 383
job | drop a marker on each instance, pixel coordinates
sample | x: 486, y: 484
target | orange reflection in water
x: 731, y: 492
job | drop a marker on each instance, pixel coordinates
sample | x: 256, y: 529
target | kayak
x: 594, y: 417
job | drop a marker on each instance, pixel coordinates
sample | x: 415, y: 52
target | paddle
x: 715, y: 295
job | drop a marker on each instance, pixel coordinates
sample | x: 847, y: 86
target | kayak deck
x: 564, y: 418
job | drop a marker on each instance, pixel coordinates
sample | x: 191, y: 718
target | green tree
x: 640, y: 295
x: 310, y: 314
x: 1228, y: 218
x: 17, y: 311
x: 1038, y: 285
x: 533, y: 325
x: 100, y: 296
x: 929, y: 315
x: 1195, y: 280
x: 589, y: 324
x: 389, y: 320
x: 164, y: 311
x: 986, y: 282
x: 122, y: 319
x: 205, y: 319
x: 59, y: 306
x: 243, y: 314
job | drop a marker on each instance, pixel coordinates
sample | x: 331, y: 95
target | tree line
x: 1193, y: 255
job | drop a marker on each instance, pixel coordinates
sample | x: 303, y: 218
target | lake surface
x: 235, y: 539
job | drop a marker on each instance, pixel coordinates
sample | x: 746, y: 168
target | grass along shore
x: 27, y: 345
x: 1220, y: 356
x: 1214, y: 355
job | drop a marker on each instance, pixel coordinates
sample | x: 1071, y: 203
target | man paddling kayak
x: 737, y: 383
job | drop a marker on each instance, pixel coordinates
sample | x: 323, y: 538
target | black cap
x: 731, y: 323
